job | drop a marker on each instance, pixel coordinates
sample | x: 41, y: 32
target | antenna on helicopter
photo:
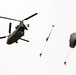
x: 46, y: 40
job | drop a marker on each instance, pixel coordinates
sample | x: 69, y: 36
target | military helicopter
x: 19, y: 31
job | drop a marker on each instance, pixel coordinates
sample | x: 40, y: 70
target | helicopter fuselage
x: 16, y: 35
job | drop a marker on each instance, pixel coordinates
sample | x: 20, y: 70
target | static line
x: 49, y: 34
x: 68, y: 54
x: 46, y: 41
x: 43, y: 49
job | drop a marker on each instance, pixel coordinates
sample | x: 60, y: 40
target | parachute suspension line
x: 43, y: 49
x: 46, y: 41
x: 68, y: 54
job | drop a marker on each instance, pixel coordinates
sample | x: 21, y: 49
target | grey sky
x: 23, y: 58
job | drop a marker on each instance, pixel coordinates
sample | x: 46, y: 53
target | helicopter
x: 18, y: 32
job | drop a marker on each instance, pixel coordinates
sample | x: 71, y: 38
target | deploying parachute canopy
x: 72, y: 40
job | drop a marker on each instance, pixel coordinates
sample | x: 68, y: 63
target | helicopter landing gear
x: 16, y: 41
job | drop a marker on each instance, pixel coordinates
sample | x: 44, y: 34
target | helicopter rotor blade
x: 3, y: 37
x: 10, y: 27
x: 24, y: 40
x: 30, y: 16
x: 9, y: 18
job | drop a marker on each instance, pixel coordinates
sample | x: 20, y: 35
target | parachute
x: 72, y: 43
x: 72, y: 40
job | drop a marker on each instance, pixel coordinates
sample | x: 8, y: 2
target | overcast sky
x: 23, y: 58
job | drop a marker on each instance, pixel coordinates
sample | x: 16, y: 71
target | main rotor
x: 19, y: 20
